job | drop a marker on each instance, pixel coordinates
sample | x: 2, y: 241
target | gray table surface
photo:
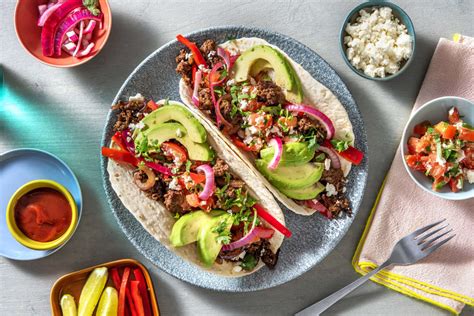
x: 81, y: 97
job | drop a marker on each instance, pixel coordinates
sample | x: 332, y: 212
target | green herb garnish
x: 249, y: 262
x: 92, y: 6
x: 340, y: 145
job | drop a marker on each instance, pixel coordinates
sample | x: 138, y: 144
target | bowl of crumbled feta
x: 377, y: 40
x: 437, y: 148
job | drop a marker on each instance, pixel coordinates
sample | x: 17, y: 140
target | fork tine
x: 432, y: 248
x: 424, y: 237
x: 428, y: 243
x: 423, y: 229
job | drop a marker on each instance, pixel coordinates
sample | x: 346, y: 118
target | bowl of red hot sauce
x: 41, y: 215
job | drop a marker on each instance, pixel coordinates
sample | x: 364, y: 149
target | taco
x: 190, y: 191
x: 290, y: 130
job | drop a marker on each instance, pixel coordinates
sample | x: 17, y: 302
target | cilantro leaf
x: 92, y: 6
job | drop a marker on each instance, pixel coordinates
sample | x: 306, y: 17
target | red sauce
x: 43, y: 214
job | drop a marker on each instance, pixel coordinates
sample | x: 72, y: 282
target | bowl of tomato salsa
x: 438, y: 148
x: 42, y: 215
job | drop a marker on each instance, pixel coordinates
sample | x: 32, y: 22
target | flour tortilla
x: 154, y: 217
x: 315, y: 94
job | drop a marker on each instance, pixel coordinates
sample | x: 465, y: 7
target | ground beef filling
x: 269, y: 93
x: 337, y: 203
x: 129, y: 113
x: 175, y: 202
x: 184, y: 66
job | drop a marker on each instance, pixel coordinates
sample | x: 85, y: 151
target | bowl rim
x: 375, y: 3
x: 19, y: 235
x: 80, y: 61
x: 442, y: 195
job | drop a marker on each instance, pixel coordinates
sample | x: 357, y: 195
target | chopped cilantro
x: 223, y: 234
x: 249, y: 262
x: 340, y: 145
x: 188, y: 165
x: 177, y: 215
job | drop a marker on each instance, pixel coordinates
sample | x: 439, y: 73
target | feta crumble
x: 330, y: 189
x: 377, y: 42
x: 469, y: 175
x: 136, y: 98
x: 174, y: 185
x: 327, y: 164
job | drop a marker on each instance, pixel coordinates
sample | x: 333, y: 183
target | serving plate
x: 313, y: 238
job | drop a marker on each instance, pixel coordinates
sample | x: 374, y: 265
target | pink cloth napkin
x: 445, y: 278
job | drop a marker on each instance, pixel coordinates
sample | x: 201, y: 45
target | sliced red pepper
x: 142, y: 286
x: 197, y: 177
x: 137, y: 299
x: 122, y: 292
x: 261, y: 212
x: 236, y: 140
x: 117, y: 282
x: 177, y: 152
x: 197, y: 56
x: 120, y: 155
x: 118, y: 140
x: 194, y: 72
x: 353, y: 155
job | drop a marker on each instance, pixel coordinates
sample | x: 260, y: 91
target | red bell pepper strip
x: 117, y: 139
x: 120, y: 156
x: 137, y: 299
x: 353, y: 155
x: 197, y: 56
x: 177, y: 152
x: 117, y: 281
x: 143, y: 291
x: 240, y: 144
x: 122, y: 291
x: 261, y: 212
x: 152, y: 105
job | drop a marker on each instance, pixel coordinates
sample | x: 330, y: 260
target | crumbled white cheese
x: 377, y: 42
x: 327, y: 164
x: 187, y: 55
x: 253, y: 130
x: 179, y: 133
x: 243, y: 104
x: 469, y: 173
x: 211, y: 54
x: 330, y: 189
x: 245, y: 89
x: 344, y: 189
x: 237, y: 269
x: 231, y: 82
x: 138, y: 126
x: 203, y: 68
x: 137, y: 98
x: 242, y: 254
x: 174, y: 185
x: 203, y: 203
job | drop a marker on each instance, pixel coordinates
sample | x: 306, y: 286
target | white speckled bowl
x: 436, y: 111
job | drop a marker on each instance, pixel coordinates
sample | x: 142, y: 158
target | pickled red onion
x: 209, y: 186
x: 320, y: 116
x: 277, y: 144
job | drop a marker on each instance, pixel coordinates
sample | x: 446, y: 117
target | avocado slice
x: 292, y: 177
x: 176, y: 112
x: 283, y: 71
x: 207, y: 244
x: 258, y: 66
x: 294, y: 154
x: 307, y: 193
x: 165, y: 131
x: 186, y: 228
x: 295, y: 95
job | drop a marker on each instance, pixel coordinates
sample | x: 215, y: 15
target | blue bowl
x: 398, y: 13
x: 436, y: 111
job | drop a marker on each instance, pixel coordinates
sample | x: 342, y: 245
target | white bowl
x: 436, y: 111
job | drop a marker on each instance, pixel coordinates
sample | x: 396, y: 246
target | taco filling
x: 172, y: 162
x: 255, y: 98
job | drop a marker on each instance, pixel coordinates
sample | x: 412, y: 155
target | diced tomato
x: 197, y: 177
x: 437, y: 171
x: 207, y: 205
x: 193, y: 200
x: 152, y: 105
x: 440, y: 127
x: 449, y: 132
x: 453, y: 183
x: 466, y: 134
x: 120, y: 155
x: 468, y: 160
x: 438, y: 184
x: 453, y: 115
x: 420, y: 129
x: 414, y: 162
x: 412, y: 142
x: 262, y: 121
x: 177, y: 152
x: 288, y: 121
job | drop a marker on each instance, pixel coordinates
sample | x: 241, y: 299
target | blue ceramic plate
x: 18, y: 167
x: 313, y: 238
